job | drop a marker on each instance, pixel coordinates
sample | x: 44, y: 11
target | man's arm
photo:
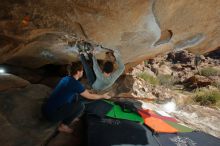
x: 88, y: 95
x: 121, y: 66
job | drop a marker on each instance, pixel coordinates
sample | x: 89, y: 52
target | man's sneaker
x: 88, y: 48
x: 80, y: 48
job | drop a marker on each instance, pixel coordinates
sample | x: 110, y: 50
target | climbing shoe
x: 88, y: 48
x: 80, y: 48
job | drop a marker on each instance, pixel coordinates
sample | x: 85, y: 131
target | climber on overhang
x: 100, y: 79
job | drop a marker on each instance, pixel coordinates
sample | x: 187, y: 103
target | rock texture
x: 197, y: 81
x: 194, y: 23
x: 44, y: 32
x: 174, y: 71
x: 201, y: 118
x: 8, y: 81
x: 20, y: 116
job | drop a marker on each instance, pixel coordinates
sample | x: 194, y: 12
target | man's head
x: 108, y: 67
x: 75, y: 69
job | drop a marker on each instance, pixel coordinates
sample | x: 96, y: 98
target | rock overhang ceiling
x: 35, y: 33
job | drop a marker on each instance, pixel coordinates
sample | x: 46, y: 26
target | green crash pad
x: 118, y: 113
x: 179, y: 127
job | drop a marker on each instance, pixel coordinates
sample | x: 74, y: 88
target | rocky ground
x: 174, y: 71
x: 182, y: 79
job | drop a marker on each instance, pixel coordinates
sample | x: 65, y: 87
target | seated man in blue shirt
x: 64, y: 103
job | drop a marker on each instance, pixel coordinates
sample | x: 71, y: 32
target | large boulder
x: 190, y: 23
x: 34, y: 34
x: 45, y: 32
x: 20, y: 116
x: 8, y: 81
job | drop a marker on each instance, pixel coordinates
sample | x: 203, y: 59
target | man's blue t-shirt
x: 65, y: 92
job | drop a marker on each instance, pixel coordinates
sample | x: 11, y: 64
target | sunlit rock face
x: 34, y: 33
x: 194, y: 23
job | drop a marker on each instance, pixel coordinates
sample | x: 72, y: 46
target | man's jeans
x: 88, y: 69
x: 67, y: 112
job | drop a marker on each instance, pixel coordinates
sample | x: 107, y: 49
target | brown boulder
x: 181, y: 57
x: 197, y: 81
x: 34, y: 34
x: 20, y: 116
x: 8, y: 81
x: 183, y: 17
x: 105, y: 22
